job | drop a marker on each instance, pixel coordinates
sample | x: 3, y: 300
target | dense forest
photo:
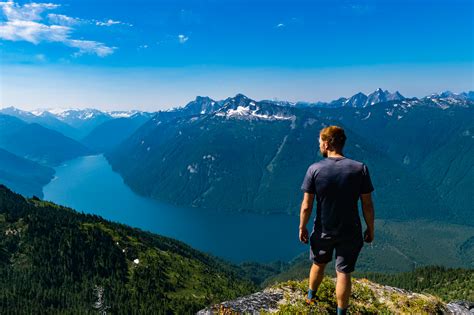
x: 55, y: 260
x: 447, y: 283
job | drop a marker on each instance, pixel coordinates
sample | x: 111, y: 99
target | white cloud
x: 90, y: 47
x: 280, y: 25
x: 110, y: 22
x: 27, y: 12
x: 182, y: 38
x: 24, y: 23
x: 33, y: 32
x: 62, y: 19
x: 107, y: 23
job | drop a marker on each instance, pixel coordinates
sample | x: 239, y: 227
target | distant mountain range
x: 246, y: 155
x: 378, y: 96
x: 48, y: 138
x: 73, y: 123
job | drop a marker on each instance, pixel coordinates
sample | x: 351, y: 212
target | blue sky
x: 158, y: 54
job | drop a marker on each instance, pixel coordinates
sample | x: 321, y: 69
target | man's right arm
x: 369, y: 214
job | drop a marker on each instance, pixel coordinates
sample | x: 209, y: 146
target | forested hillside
x: 54, y: 259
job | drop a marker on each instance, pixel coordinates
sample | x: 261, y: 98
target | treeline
x: 448, y: 283
x: 55, y: 260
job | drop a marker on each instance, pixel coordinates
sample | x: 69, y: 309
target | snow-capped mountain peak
x: 242, y: 107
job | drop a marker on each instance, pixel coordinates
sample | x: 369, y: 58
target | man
x: 338, y: 183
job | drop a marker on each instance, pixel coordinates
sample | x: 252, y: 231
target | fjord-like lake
x: 88, y: 184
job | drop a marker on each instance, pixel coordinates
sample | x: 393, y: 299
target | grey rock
x: 460, y: 307
x: 251, y: 304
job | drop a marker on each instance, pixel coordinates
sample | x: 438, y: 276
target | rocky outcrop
x: 460, y: 307
x: 367, y: 298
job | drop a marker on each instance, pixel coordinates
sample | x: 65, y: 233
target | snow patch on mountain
x: 243, y: 112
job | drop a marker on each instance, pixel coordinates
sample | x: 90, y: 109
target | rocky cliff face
x: 367, y: 298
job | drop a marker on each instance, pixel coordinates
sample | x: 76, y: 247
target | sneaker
x: 312, y: 301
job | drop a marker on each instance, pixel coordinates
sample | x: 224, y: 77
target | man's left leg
x: 343, y: 291
x: 347, y: 253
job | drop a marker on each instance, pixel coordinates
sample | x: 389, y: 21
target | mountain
x: 201, y: 105
x: 83, y: 120
x: 357, y: 100
x: 43, y: 118
x: 431, y: 137
x: 401, y: 246
x: 361, y: 100
x: 459, y: 96
x: 380, y: 96
x: 57, y: 260
x: 84, y: 125
x: 111, y: 132
x: 251, y: 156
x: 23, y: 176
x: 37, y: 143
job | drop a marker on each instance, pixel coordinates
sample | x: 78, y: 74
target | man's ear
x: 325, y: 145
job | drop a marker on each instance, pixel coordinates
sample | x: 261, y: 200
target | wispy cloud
x: 182, y: 38
x: 25, y: 23
x: 90, y: 47
x: 280, y: 25
x: 62, y: 19
x: 107, y: 23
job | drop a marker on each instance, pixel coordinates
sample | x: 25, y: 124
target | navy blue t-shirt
x: 337, y: 183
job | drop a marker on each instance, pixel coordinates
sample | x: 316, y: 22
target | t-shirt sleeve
x: 308, y: 184
x: 366, y: 186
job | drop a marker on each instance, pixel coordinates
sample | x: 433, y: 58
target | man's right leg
x: 321, y: 251
x: 316, y: 275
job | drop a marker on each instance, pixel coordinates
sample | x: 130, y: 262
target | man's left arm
x: 305, y: 214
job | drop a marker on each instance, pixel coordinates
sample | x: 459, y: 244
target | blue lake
x: 88, y: 184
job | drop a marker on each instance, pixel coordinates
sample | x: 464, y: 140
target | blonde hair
x: 335, y: 137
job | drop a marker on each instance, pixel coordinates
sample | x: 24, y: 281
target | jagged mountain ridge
x: 246, y: 152
x: 360, y: 99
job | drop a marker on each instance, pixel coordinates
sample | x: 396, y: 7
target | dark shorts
x: 322, y: 249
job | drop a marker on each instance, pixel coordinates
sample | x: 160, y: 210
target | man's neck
x: 334, y: 154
